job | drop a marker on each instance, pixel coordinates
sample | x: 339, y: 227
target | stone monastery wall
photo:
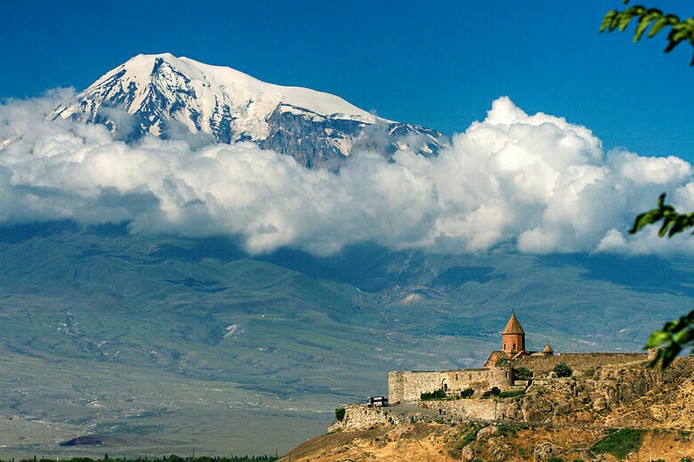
x: 408, y: 386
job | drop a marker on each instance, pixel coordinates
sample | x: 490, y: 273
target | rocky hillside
x: 595, y: 415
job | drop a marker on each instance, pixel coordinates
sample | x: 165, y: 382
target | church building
x: 512, y: 343
x: 407, y: 386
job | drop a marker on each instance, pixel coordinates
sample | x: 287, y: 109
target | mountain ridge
x: 158, y: 94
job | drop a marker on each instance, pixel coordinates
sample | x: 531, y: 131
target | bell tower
x: 513, y: 336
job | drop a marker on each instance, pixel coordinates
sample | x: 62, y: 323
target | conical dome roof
x: 513, y: 326
x: 548, y: 349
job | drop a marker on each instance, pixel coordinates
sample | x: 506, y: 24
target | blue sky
x: 437, y: 63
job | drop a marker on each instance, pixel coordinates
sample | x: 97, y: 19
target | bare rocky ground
x: 572, y: 424
x: 442, y: 442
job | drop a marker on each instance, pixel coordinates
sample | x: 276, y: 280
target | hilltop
x: 606, y: 399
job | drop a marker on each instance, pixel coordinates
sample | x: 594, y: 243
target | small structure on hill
x: 377, y: 401
x: 548, y: 351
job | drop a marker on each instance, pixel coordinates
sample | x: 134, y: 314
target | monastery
x: 405, y: 386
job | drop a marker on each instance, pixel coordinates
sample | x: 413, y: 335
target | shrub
x: 340, y: 413
x: 467, y: 393
x: 563, y: 370
x: 471, y: 435
x: 620, y: 443
x: 496, y: 391
x: 438, y: 394
x: 505, y: 429
x: 523, y: 373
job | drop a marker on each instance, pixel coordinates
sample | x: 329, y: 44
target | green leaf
x: 661, y: 200
x: 645, y: 219
x: 641, y: 28
x: 614, y: 22
x: 658, y: 26
x: 607, y: 20
x: 657, y: 338
x: 624, y: 20
x: 680, y: 33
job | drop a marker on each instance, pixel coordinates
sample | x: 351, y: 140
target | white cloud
x: 538, y: 183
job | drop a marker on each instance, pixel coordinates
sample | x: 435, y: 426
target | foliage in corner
x: 673, y: 221
x: 680, y: 30
x: 675, y: 335
x: 340, y: 413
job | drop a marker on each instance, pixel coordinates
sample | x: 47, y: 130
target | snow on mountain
x: 162, y: 92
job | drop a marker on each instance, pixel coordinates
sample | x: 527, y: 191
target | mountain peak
x: 161, y: 91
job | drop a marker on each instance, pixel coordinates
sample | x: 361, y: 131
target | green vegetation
x: 555, y: 459
x: 680, y: 30
x: 495, y: 391
x: 468, y: 437
x: 511, y: 428
x: 675, y: 335
x: 471, y: 435
x: 340, y: 413
x: 522, y: 373
x: 563, y: 370
x: 467, y: 393
x: 620, y: 443
x: 438, y: 394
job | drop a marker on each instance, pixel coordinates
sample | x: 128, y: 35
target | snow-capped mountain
x: 162, y: 93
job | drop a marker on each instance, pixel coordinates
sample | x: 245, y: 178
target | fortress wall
x: 408, y: 386
x: 581, y: 363
x: 361, y: 417
x: 479, y: 380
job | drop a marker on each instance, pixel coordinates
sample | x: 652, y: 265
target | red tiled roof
x: 513, y: 326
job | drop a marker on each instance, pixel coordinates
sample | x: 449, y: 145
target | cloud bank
x: 534, y: 183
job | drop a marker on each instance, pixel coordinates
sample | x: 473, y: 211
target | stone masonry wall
x: 408, y: 386
x: 361, y: 417
x: 480, y: 380
x: 581, y: 363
